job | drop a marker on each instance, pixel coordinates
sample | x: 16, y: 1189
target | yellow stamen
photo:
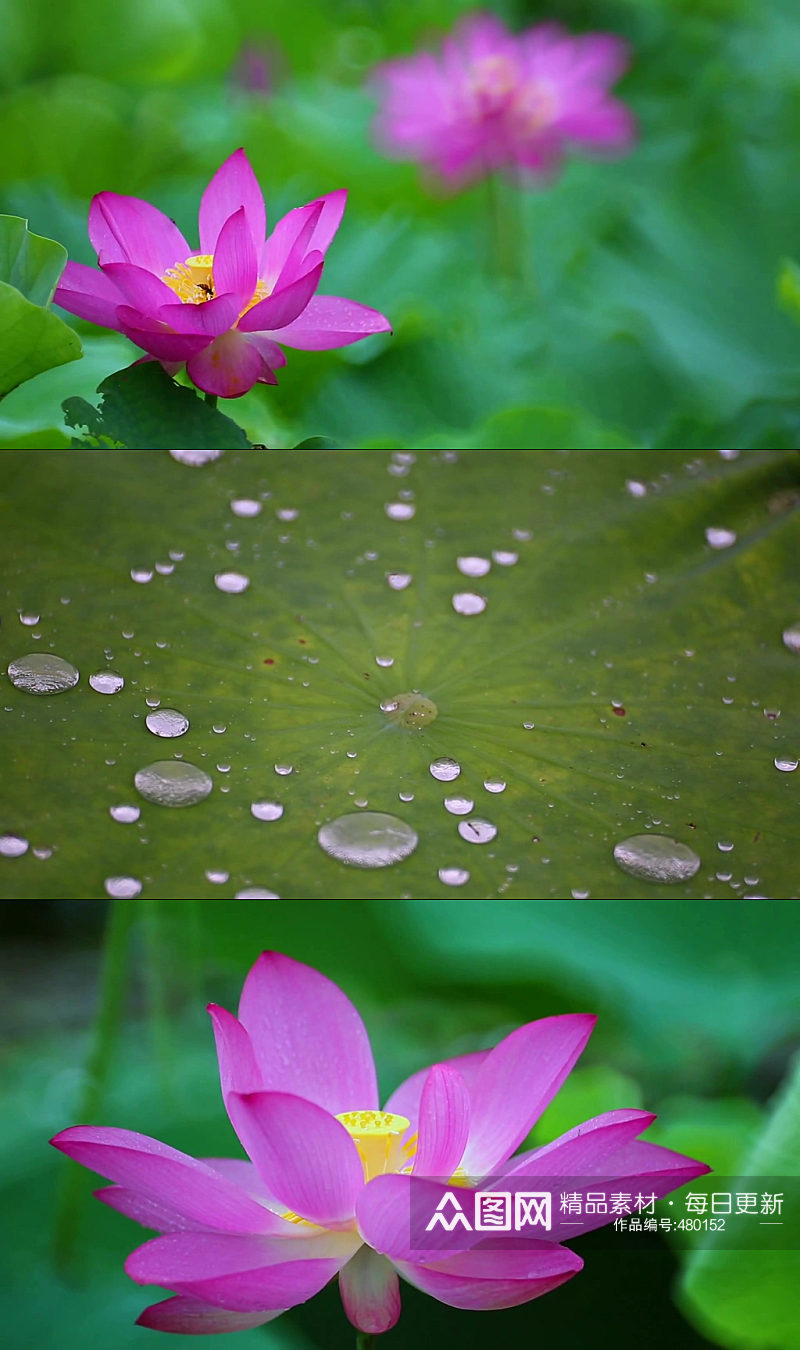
x: 193, y: 282
x: 378, y: 1136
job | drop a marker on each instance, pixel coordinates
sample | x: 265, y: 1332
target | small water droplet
x: 656, y: 857
x: 720, y: 538
x: 106, y: 682
x: 219, y: 728
x: 266, y: 810
x: 399, y: 580
x: 125, y: 814
x: 472, y: 566
x: 29, y: 620
x: 232, y: 583
x: 725, y: 846
x: 522, y: 536
x: 400, y: 510
x: 167, y: 722
x: 772, y: 714
x: 368, y: 839
x: 504, y: 557
x: 406, y: 796
x: 445, y: 769
x: 12, y: 846
x: 245, y: 507
x: 785, y: 764
x: 165, y: 569
x: 122, y: 888
x: 215, y: 877
x: 458, y: 806
x: 284, y: 769
x: 635, y: 489
x: 256, y: 893
x: 467, y: 602
x: 287, y: 513
x: 43, y: 673
x: 142, y: 575
x: 791, y: 637
x: 43, y: 853
x: 579, y: 895
x: 195, y: 459
x: 477, y: 831
x: 384, y: 661
x: 494, y: 784
x: 453, y: 876
x: 171, y: 782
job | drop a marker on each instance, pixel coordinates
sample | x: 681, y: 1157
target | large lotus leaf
x: 626, y: 677
x: 748, y: 1299
x: 32, y: 338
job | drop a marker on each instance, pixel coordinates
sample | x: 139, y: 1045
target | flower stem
x: 365, y: 1341
x: 103, y: 1043
x: 507, y: 244
x: 211, y: 399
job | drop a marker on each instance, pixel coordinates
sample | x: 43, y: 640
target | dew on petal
x: 43, y: 673
x: 467, y: 602
x: 368, y: 839
x: 167, y: 722
x: 106, y: 682
x: 656, y: 857
x: 172, y: 782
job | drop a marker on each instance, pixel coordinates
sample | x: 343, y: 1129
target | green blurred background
x: 647, y: 308
x: 698, y: 1020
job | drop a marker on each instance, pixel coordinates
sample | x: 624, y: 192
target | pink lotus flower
x: 333, y: 1180
x: 493, y: 101
x: 223, y: 310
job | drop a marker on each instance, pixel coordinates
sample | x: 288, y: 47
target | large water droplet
x: 106, y: 682
x: 266, y: 810
x: 196, y: 458
x: 232, y: 583
x: 785, y: 764
x: 477, y: 831
x: 467, y: 602
x: 12, y: 846
x: 411, y: 710
x: 400, y: 510
x: 29, y: 620
x: 791, y: 637
x: 459, y: 806
x: 43, y: 673
x: 172, y: 782
x: 256, y: 893
x: 453, y: 876
x: 126, y: 815
x: 720, y: 538
x: 472, y: 566
x: 122, y: 888
x: 245, y: 506
x: 167, y: 722
x: 368, y: 839
x: 656, y: 857
x: 445, y: 769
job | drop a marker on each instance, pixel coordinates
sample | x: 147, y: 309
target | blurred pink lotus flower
x: 332, y: 1179
x: 224, y: 310
x: 494, y: 101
